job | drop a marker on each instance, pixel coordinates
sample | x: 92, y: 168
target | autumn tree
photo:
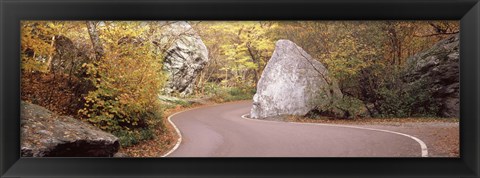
x: 366, y: 57
x: 37, y: 45
x: 127, y: 78
x: 243, y: 48
x: 95, y: 38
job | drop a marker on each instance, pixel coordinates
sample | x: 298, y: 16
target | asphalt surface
x: 220, y: 131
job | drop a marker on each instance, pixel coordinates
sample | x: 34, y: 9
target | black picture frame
x: 13, y: 11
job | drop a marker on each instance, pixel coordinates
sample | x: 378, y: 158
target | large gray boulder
x: 293, y: 83
x: 439, y: 66
x: 45, y: 134
x: 186, y: 55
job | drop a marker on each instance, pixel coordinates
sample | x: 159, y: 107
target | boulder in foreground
x: 45, y: 134
x: 293, y: 83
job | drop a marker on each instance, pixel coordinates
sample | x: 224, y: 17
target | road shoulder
x: 442, y: 136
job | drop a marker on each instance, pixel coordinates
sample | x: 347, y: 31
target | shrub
x: 226, y: 94
x: 388, y: 95
x: 234, y: 94
x: 124, y: 101
x: 351, y: 107
x: 129, y: 138
x: 407, y: 100
x: 346, y: 107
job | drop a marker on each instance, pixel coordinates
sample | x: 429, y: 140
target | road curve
x: 220, y: 131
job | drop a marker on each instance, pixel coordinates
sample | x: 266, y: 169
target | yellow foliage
x: 127, y: 82
x: 36, y: 44
x: 244, y: 47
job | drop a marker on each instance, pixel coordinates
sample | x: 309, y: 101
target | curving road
x: 220, y: 131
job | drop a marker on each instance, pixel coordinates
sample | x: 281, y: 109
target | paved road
x: 220, y: 131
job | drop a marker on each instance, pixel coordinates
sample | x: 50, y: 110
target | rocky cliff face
x: 45, y: 134
x: 186, y: 55
x: 439, y: 66
x: 293, y: 83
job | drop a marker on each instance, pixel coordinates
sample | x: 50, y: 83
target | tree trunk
x: 50, y: 57
x: 256, y: 61
x: 200, y: 81
x: 95, y: 38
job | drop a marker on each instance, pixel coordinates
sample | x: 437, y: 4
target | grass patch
x: 227, y: 94
x: 127, y: 139
x: 182, y: 103
x: 234, y: 94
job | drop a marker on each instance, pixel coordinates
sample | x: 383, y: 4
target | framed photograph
x: 248, y: 88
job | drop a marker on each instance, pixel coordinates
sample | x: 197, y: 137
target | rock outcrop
x: 45, y: 134
x: 439, y: 66
x: 68, y: 57
x: 186, y: 55
x: 293, y: 83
